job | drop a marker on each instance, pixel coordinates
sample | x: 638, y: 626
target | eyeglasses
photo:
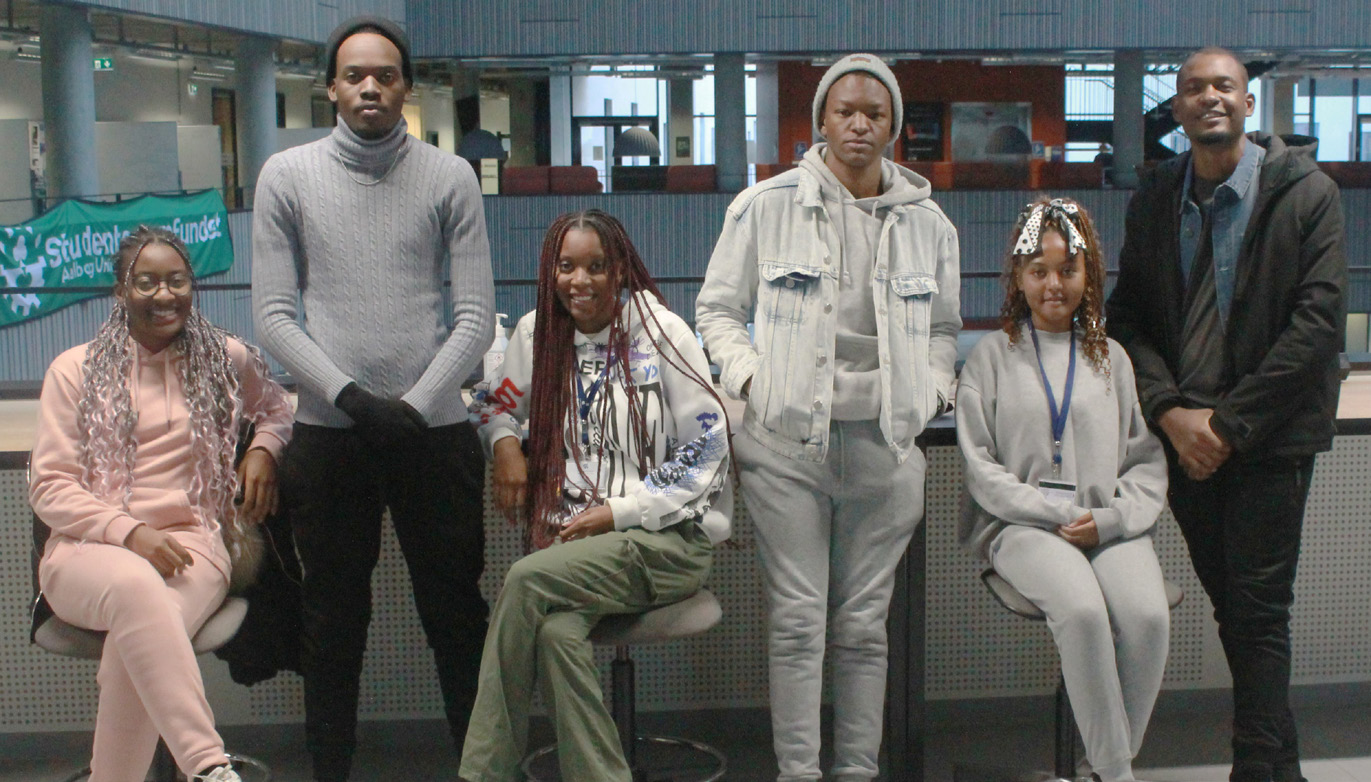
x: 149, y: 284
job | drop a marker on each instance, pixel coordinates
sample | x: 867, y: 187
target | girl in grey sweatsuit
x: 1065, y: 481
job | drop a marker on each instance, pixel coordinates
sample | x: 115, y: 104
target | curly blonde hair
x: 1089, y: 314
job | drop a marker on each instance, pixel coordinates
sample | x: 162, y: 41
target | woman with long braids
x: 625, y: 490
x: 1065, y: 481
x: 133, y: 471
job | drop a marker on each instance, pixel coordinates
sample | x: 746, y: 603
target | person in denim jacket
x: 853, y: 273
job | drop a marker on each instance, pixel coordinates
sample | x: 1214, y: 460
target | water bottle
x: 495, y: 356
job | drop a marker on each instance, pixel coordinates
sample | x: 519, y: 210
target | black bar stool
x: 650, y: 757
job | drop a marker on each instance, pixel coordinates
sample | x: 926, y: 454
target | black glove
x: 381, y: 422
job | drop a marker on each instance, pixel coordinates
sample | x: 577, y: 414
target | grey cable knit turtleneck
x: 365, y: 232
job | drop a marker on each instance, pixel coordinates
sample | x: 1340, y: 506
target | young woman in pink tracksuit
x: 133, y: 471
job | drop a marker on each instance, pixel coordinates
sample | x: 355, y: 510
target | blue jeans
x: 1242, y: 526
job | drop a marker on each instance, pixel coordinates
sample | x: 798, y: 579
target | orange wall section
x: 955, y: 81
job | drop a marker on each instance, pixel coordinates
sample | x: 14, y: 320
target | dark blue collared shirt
x: 1234, y: 201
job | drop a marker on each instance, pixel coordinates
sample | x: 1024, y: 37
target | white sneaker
x: 221, y: 774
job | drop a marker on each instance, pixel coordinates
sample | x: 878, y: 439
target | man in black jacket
x: 1230, y: 304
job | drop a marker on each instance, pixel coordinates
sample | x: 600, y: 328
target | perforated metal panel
x: 978, y: 649
x: 724, y: 667
x: 974, y: 647
x: 38, y: 691
x: 1331, y: 623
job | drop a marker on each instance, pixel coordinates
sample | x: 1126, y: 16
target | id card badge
x: 1057, y: 490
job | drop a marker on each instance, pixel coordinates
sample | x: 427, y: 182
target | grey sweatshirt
x: 362, y: 234
x: 856, y: 366
x: 1005, y: 433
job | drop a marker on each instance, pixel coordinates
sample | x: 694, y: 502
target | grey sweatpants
x: 829, y: 536
x: 1108, y: 614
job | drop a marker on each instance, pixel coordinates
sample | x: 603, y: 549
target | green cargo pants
x: 550, y: 601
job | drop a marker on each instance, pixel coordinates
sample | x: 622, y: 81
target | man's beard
x: 1216, y: 138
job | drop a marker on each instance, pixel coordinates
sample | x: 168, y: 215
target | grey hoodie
x: 856, y: 380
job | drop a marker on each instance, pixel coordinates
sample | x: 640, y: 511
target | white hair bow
x: 1060, y: 213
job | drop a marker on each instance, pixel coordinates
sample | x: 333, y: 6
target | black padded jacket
x: 1285, y: 329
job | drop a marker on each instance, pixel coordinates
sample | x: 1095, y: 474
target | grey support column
x: 69, y: 101
x: 1129, y: 70
x: 730, y: 122
x: 523, y: 112
x: 680, y: 122
x: 255, y: 61
x: 768, y: 114
x: 1278, y: 108
x: 559, y: 116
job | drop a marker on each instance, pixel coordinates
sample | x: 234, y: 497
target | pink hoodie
x: 162, y: 468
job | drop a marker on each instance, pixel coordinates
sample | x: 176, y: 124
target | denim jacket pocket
x: 910, y: 305
x: 788, y: 313
x: 781, y: 300
x: 914, y: 284
x: 908, y: 323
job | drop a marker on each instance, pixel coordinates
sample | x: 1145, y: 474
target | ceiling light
x: 154, y: 54
x: 637, y: 142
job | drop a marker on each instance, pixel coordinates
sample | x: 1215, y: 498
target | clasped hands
x: 383, y: 423
x: 509, y: 480
x: 1200, y: 450
x: 1082, y: 533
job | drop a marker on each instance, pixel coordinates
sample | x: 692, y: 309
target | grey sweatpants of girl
x: 1108, y: 614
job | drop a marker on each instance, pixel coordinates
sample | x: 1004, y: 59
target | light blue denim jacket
x: 778, y: 253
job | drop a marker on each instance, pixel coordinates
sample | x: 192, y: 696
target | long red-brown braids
x: 552, y: 421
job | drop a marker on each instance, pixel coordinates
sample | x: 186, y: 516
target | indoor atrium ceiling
x: 160, y: 38
x: 170, y: 39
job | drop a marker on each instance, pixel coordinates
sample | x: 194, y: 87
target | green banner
x: 71, y: 247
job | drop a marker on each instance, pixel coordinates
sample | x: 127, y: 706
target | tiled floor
x: 1186, y: 743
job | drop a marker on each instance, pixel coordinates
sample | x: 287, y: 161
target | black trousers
x: 335, y: 488
x: 1242, y: 526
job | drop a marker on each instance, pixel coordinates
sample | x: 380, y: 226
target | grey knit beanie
x: 863, y: 63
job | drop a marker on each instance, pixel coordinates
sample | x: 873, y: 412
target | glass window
x: 703, y: 109
x: 1090, y: 97
x: 633, y: 90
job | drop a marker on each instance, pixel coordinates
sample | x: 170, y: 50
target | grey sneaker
x: 220, y: 774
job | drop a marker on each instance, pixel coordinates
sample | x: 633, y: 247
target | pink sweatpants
x: 150, y: 683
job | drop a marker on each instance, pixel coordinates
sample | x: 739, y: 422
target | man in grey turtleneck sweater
x: 353, y: 237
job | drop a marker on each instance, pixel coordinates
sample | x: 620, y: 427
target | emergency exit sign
x: 104, y: 63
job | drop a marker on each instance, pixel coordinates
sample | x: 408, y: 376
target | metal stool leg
x: 623, y: 709
x: 1065, y: 745
x: 625, y: 717
x: 657, y: 758
x: 163, y: 766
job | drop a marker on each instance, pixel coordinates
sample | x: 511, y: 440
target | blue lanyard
x: 1058, y: 417
x: 585, y: 398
